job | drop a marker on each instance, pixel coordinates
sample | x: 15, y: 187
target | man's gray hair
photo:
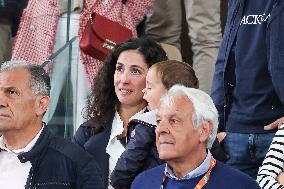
x: 39, y: 83
x: 204, y: 108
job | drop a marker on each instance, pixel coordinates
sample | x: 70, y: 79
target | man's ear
x: 42, y: 104
x: 205, y: 131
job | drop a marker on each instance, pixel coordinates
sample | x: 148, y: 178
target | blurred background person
x: 247, y: 86
x: 164, y: 24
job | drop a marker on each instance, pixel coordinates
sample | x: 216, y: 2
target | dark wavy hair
x: 102, y: 100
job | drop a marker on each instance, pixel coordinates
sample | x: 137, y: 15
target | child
x: 141, y: 152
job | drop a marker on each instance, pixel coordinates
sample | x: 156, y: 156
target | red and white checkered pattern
x: 132, y: 13
x: 36, y: 35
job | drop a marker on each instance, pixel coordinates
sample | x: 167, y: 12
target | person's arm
x: 138, y: 9
x: 272, y: 165
x: 276, y: 57
x: 132, y: 160
x: 218, y: 92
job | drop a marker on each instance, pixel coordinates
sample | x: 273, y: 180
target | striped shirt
x: 273, y: 163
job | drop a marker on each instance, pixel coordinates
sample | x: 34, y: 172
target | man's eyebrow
x: 173, y: 116
x: 10, y: 88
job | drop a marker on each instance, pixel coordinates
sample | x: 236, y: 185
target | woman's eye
x: 119, y: 69
x: 136, y: 72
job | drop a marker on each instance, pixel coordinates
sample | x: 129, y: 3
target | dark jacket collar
x: 39, y: 146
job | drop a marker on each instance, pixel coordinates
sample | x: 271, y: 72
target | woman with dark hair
x: 116, y: 97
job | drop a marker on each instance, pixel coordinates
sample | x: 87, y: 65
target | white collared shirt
x: 13, y: 173
x: 200, y: 170
x: 114, y: 147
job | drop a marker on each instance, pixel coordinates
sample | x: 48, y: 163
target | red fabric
x: 37, y: 31
x: 99, y: 32
x: 133, y: 12
x: 35, y: 39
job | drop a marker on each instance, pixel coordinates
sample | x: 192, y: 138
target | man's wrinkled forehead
x: 13, y: 78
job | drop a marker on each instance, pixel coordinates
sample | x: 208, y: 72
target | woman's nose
x: 125, y: 77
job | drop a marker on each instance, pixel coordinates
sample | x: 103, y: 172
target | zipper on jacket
x: 30, y: 178
x: 52, y: 184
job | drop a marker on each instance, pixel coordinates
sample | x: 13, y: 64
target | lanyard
x: 202, y: 181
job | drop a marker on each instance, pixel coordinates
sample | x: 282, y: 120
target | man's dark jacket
x: 58, y: 163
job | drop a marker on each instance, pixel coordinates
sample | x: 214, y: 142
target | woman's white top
x: 114, y: 147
